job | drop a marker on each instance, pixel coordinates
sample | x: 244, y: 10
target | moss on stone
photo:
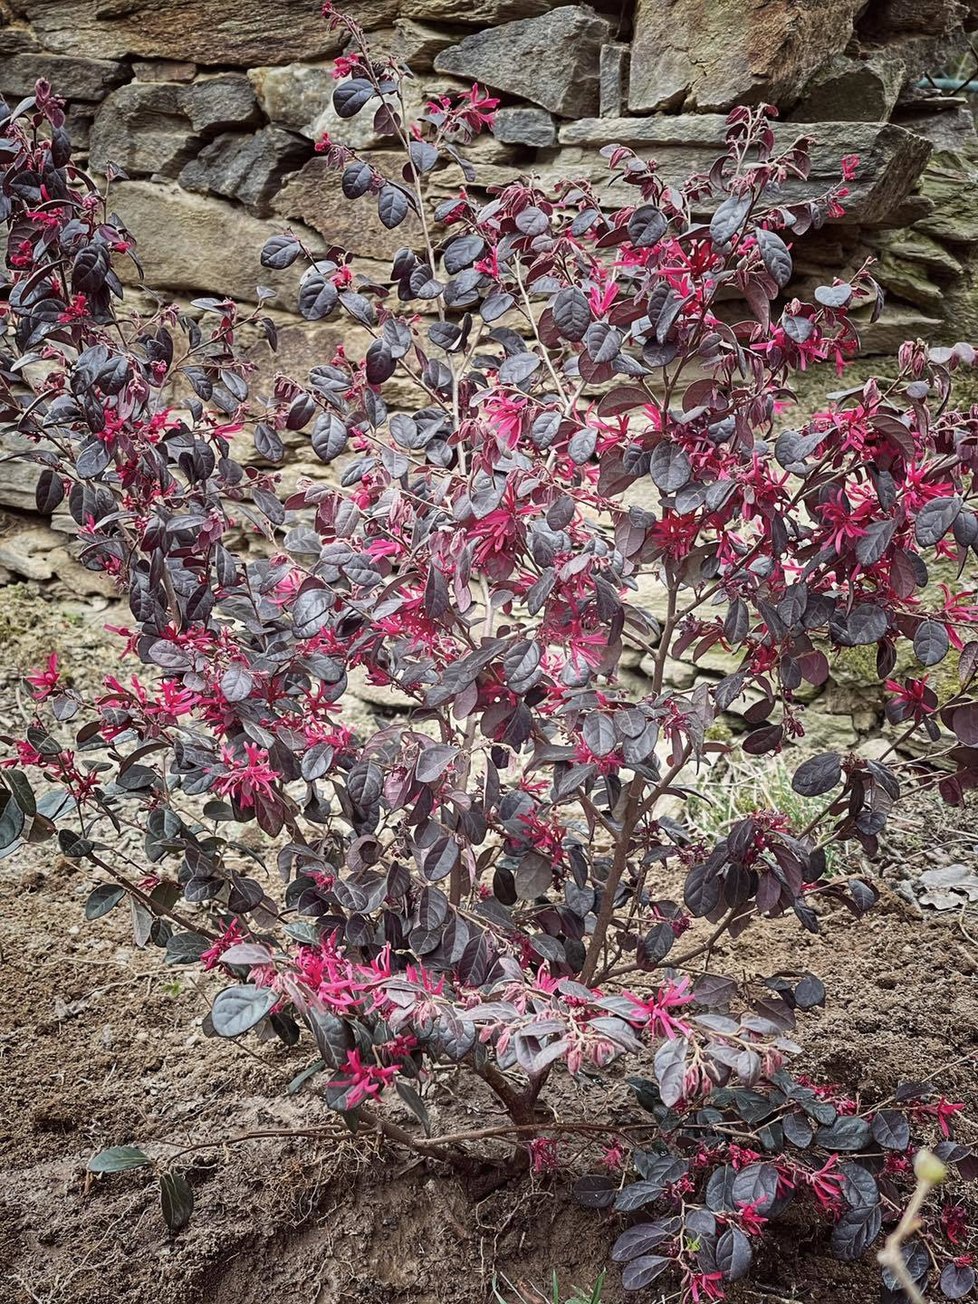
x: 719, y: 732
x: 31, y: 628
x: 855, y: 668
x: 25, y: 627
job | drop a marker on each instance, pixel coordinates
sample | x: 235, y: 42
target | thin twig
x: 930, y: 1172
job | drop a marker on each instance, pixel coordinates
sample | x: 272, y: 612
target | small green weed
x: 525, y: 1294
x: 745, y: 786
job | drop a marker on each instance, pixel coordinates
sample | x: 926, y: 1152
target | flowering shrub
x: 599, y: 378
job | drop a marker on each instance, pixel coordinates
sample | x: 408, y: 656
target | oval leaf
x: 891, y: 1129
x: 595, y: 1191
x: 640, y: 1272
x: 117, y: 1159
x: 237, y: 1009
x: 102, y: 900
x: 930, y: 643
x: 818, y: 775
x: 572, y: 313
x: 176, y: 1199
x: 670, y: 468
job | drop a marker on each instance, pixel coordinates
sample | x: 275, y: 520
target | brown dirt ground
x: 100, y: 1046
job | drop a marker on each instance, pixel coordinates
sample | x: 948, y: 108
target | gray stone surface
x: 294, y: 95
x: 898, y: 17
x: 913, y: 246
x: 951, y: 184
x: 199, y: 246
x: 18, y: 480
x: 487, y: 149
x: 909, y: 280
x: 153, y: 128
x: 852, y: 90
x: 478, y: 13
x: 165, y: 70
x: 31, y: 549
x: 141, y: 128
x: 525, y: 126
x: 891, y: 159
x: 74, y: 78
x: 417, y: 44
x: 613, y: 73
x: 897, y: 324
x: 15, y: 39
x: 950, y: 129
x: 552, y: 60
x: 712, y: 54
x: 313, y: 196
x: 28, y: 552
x: 78, y: 122
x: 248, y: 168
x: 216, y: 32
x: 220, y: 103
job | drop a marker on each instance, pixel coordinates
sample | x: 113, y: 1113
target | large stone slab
x: 614, y: 79
x: 712, y: 54
x: 199, y: 246
x: 220, y: 102
x: 221, y: 32
x: 18, y: 479
x: 156, y: 127
x: 478, y: 13
x: 163, y: 70
x: 891, y: 159
x: 142, y: 129
x: 29, y: 551
x: 313, y: 196
x: 921, y: 32
x: 951, y: 183
x: 520, y: 125
x: 418, y: 44
x: 248, y: 168
x: 894, y: 18
x: 897, y: 324
x: 552, y: 60
x: 73, y: 78
x: 909, y: 280
x: 853, y: 90
x: 294, y: 95
x: 17, y: 39
x: 915, y: 247
x: 951, y: 129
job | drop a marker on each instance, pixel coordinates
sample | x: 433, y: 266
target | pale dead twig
x: 930, y: 1172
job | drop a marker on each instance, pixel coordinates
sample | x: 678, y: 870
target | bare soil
x: 99, y: 1045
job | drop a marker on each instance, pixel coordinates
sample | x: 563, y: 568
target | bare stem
x: 930, y: 1173
x: 152, y: 906
x: 631, y: 800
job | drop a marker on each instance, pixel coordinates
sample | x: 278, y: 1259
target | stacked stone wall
x: 212, y: 108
